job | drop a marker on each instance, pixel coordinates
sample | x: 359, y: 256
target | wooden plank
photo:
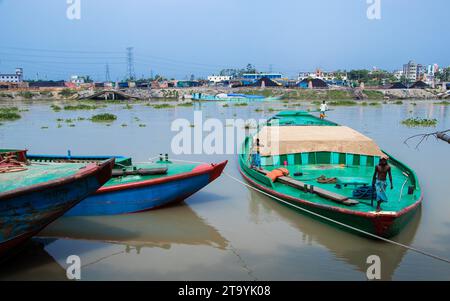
x: 317, y: 190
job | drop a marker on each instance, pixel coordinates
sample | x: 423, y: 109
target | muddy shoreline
x: 185, y: 93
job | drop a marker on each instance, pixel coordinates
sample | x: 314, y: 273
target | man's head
x: 384, y: 160
x: 323, y: 102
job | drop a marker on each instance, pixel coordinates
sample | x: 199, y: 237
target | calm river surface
x: 226, y: 231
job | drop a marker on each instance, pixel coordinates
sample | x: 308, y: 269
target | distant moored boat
x: 232, y: 97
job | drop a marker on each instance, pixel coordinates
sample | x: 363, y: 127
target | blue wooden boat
x: 34, y: 195
x: 232, y: 97
x: 141, y: 187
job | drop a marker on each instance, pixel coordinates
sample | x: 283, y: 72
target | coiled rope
x: 364, y: 193
x: 9, y: 164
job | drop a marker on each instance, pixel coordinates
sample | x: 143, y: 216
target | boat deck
x: 37, y: 173
x: 172, y: 169
x: 349, y: 175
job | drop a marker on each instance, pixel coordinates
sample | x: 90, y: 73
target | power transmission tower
x: 130, y: 62
x: 107, y: 74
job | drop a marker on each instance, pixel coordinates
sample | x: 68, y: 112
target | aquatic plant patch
x: 80, y: 107
x: 162, y: 106
x: 343, y: 103
x: 105, y: 117
x: 419, y: 122
x: 9, y: 114
x: 55, y: 108
x: 443, y: 103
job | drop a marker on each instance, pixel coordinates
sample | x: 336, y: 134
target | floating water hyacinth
x: 419, y: 122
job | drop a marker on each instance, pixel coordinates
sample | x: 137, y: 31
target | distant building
x: 257, y: 76
x: 219, y: 78
x: 324, y: 76
x: 413, y: 71
x: 77, y: 80
x: 12, y: 78
x: 398, y: 74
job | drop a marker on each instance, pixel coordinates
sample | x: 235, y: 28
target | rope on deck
x: 10, y: 164
x: 330, y: 219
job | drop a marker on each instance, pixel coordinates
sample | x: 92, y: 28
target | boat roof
x: 293, y: 132
x: 299, y: 118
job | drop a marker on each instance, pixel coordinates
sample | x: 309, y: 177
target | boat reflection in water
x: 345, y: 246
x: 177, y: 224
x: 142, y: 246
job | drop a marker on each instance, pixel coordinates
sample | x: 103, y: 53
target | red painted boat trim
x: 377, y: 217
x: 214, y: 170
x: 103, y: 173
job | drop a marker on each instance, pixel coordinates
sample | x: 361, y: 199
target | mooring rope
x: 330, y: 219
x: 340, y: 223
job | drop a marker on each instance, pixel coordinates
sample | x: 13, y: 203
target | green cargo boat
x: 330, y: 173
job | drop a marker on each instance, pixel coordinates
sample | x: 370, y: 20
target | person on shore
x: 256, y: 155
x: 323, y: 110
x: 379, y: 182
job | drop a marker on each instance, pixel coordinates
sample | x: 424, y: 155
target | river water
x: 226, y: 231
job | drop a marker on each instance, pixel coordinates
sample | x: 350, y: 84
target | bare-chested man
x: 382, y: 170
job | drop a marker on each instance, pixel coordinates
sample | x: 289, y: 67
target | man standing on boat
x: 256, y: 155
x: 379, y: 182
x: 323, y: 110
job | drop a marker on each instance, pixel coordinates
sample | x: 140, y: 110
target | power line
x: 59, y: 51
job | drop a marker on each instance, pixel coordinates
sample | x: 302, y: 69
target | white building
x: 413, y: 71
x: 325, y: 76
x: 398, y: 74
x: 219, y: 78
x: 12, y: 78
x: 77, y: 80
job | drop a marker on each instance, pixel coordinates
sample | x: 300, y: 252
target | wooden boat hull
x: 384, y: 224
x: 26, y: 211
x: 147, y: 195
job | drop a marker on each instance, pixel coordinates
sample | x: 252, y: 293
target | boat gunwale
x: 370, y: 215
x: 85, y: 172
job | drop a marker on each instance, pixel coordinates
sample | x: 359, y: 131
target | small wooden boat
x: 141, y: 187
x: 34, y: 195
x: 232, y: 97
x: 330, y: 173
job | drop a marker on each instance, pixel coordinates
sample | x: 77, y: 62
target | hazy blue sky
x: 182, y: 37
